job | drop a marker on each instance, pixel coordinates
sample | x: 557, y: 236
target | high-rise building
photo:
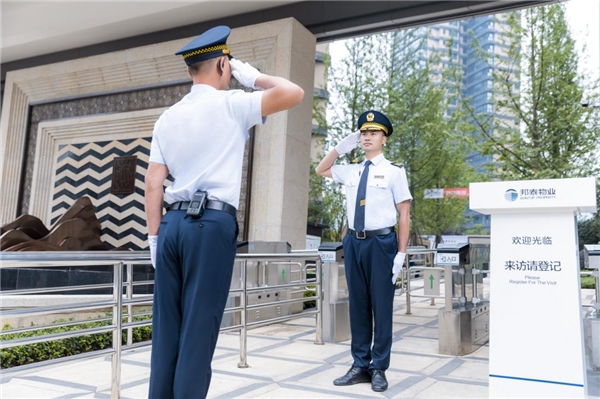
x: 491, y: 32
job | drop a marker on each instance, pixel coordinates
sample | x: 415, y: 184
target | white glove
x: 153, y: 241
x: 397, y: 268
x: 245, y: 73
x: 349, y: 143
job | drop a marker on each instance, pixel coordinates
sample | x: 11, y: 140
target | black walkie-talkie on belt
x: 197, y: 204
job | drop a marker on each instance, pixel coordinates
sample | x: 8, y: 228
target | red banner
x: 462, y: 192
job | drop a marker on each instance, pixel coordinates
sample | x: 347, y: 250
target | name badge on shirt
x: 379, y: 177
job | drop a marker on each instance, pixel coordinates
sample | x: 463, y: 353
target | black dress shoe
x: 378, y: 381
x: 355, y: 375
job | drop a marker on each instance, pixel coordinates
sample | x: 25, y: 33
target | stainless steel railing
x: 126, y: 261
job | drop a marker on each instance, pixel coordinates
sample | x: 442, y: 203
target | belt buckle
x: 364, y: 235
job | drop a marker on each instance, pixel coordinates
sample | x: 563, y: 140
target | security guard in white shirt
x: 376, y: 193
x: 200, y: 142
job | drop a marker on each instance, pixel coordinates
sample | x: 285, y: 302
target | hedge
x: 309, y: 304
x: 588, y: 282
x: 20, y: 355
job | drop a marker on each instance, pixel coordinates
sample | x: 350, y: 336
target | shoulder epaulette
x: 398, y: 164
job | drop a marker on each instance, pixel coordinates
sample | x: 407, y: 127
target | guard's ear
x: 220, y: 67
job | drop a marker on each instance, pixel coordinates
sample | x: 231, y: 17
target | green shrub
x: 19, y: 355
x: 309, y: 304
x: 588, y: 282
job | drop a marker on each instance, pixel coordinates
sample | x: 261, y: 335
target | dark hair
x: 201, y: 65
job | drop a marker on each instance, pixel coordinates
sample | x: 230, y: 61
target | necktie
x: 359, y: 210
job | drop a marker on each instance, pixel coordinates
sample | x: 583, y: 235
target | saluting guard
x: 200, y: 142
x: 377, y: 196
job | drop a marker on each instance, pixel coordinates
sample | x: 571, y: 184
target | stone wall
x: 106, y: 104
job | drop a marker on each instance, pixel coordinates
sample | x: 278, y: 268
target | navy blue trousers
x: 368, y: 265
x: 194, y: 263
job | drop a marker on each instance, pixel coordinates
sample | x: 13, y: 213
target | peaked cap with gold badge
x: 375, y: 120
x: 210, y: 44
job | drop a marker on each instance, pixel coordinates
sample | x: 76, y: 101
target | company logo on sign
x: 511, y: 195
x: 538, y: 193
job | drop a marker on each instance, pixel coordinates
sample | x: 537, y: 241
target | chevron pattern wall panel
x: 74, y: 157
x: 86, y: 169
x: 92, y: 106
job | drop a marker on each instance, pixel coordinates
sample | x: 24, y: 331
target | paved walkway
x: 285, y: 363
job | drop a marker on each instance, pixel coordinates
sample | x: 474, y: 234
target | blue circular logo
x: 511, y: 195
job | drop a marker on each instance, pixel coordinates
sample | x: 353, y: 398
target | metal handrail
x: 47, y: 290
x: 57, y: 309
x: 55, y: 325
x: 54, y: 337
x: 71, y: 258
x: 124, y: 262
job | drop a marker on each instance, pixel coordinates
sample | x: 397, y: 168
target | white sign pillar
x: 536, y: 327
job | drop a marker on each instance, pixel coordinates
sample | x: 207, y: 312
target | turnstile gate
x: 464, y: 321
x: 336, y: 308
x: 261, y: 275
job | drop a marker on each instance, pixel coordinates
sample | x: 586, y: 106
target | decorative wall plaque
x: 123, y: 176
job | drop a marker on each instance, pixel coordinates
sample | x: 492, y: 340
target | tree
x: 323, y: 204
x: 326, y: 202
x: 430, y: 143
x: 589, y: 229
x: 556, y: 137
x: 347, y: 83
x: 356, y: 84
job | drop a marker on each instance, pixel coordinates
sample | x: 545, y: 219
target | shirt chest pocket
x: 378, y: 183
x: 352, y: 183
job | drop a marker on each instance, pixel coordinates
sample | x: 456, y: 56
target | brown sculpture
x: 78, y: 229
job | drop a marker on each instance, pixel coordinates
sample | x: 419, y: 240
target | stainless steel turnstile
x: 592, y: 317
x: 336, y: 308
x: 464, y: 321
x: 260, y: 275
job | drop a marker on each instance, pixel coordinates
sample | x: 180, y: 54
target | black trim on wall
x: 27, y: 139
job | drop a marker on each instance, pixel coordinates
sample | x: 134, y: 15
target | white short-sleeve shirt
x: 201, y: 141
x: 387, y: 186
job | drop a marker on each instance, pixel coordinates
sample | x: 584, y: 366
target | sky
x: 584, y: 20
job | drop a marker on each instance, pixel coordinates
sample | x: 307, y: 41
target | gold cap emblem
x: 370, y: 117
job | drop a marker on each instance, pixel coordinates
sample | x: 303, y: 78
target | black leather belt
x: 210, y: 204
x: 361, y: 235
